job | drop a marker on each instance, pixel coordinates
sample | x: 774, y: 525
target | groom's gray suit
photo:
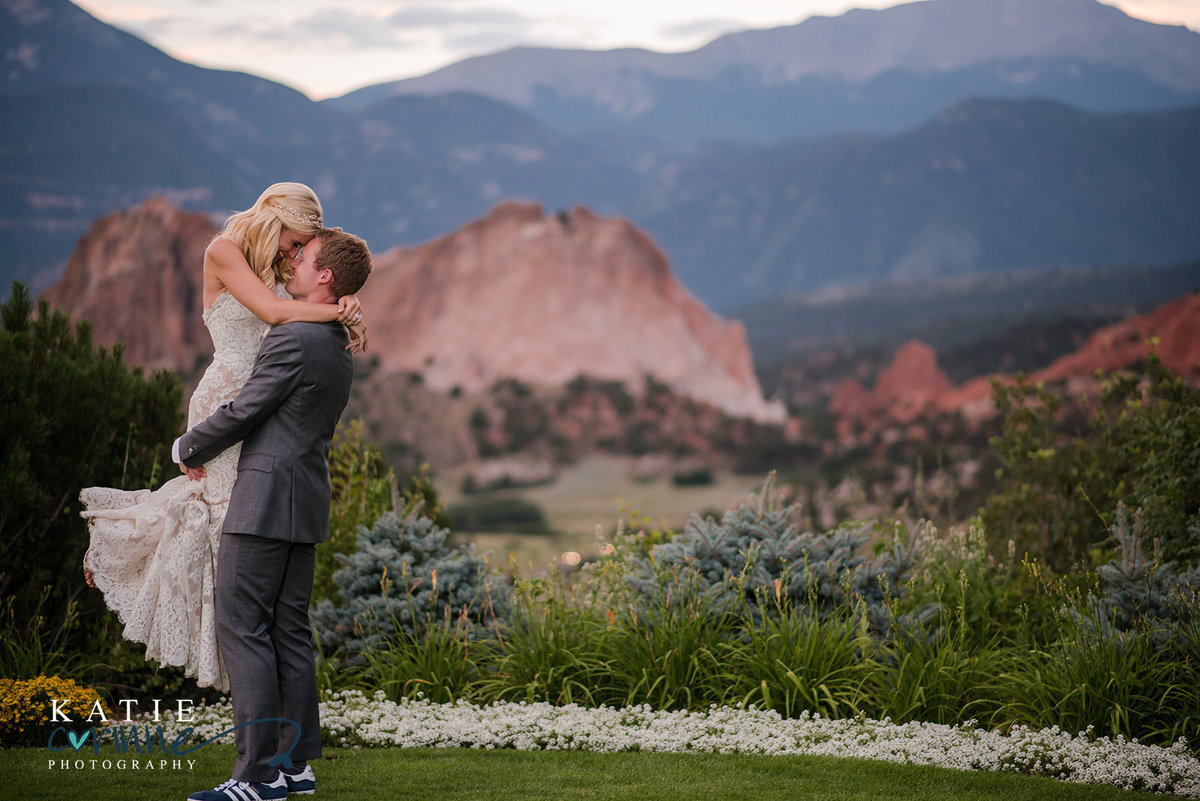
x: 285, y: 416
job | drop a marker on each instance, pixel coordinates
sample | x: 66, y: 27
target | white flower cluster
x: 351, y: 718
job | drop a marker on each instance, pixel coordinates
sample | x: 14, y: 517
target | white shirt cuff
x: 175, y: 451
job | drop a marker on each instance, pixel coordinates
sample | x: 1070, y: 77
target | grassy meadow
x: 598, y: 491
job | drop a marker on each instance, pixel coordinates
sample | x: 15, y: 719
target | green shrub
x: 516, y: 515
x: 757, y: 552
x: 696, y: 477
x: 72, y: 416
x: 1114, y: 686
x: 362, y: 491
x: 979, y: 597
x: 672, y: 650
x: 32, y: 646
x: 949, y: 677
x: 1060, y: 465
x: 1143, y: 596
x: 440, y: 663
x: 403, y: 577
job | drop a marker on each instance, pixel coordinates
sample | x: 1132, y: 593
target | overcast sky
x: 329, y: 47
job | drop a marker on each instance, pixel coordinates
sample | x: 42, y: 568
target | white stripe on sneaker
x: 242, y: 792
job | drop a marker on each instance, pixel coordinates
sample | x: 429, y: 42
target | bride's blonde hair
x: 256, y: 230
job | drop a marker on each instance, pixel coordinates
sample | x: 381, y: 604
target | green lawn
x: 457, y: 775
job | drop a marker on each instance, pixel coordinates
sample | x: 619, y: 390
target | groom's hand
x: 194, y: 473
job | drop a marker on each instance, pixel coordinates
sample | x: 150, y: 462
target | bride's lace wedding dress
x: 154, y: 553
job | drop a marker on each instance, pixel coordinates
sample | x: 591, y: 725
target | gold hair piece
x: 313, y: 220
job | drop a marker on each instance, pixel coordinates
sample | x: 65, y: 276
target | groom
x: 285, y: 417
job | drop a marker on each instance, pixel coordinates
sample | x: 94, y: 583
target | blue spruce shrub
x: 1141, y: 595
x: 755, y: 560
x: 404, y: 577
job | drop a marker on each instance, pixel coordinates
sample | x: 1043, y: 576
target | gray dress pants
x: 263, y: 591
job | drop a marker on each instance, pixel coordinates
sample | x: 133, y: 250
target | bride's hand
x: 194, y: 473
x: 349, y: 310
x: 358, y: 338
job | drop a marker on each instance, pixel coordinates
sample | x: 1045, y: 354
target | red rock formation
x: 905, y: 390
x: 513, y: 295
x: 971, y: 400
x: 136, y: 275
x: 543, y: 299
x: 850, y: 400
x: 1175, y: 325
x: 910, y: 383
x: 913, y: 386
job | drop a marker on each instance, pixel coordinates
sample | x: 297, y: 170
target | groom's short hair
x: 347, y: 256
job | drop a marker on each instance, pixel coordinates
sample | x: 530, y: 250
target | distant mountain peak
x: 857, y: 46
x: 954, y: 34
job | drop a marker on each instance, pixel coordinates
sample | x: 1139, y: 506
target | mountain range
x: 1024, y: 318
x: 868, y: 70
x: 913, y: 176
x: 987, y: 186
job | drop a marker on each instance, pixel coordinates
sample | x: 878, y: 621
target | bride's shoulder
x: 222, y: 248
x: 222, y: 258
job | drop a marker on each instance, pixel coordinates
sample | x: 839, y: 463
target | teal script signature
x: 126, y: 738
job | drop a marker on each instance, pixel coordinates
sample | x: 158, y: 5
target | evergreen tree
x: 364, y: 488
x: 71, y: 416
x: 403, y: 576
x: 755, y: 559
x: 1141, y: 593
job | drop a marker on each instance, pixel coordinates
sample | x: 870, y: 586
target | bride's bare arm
x: 226, y: 263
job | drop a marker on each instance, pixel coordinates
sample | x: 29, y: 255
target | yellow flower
x: 25, y: 706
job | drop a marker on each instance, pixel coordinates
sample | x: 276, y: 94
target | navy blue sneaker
x: 302, y: 783
x: 234, y: 790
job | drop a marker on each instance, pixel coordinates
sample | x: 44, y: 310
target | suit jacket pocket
x: 262, y: 462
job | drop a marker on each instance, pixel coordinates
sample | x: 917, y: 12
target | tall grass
x: 794, y: 661
x: 1115, y: 685
x: 32, y: 646
x: 948, y: 679
x: 550, y: 651
x: 441, y: 663
x: 674, y: 662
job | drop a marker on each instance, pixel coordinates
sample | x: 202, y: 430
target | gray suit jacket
x: 284, y: 417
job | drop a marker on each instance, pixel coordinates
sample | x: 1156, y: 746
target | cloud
x: 157, y: 26
x: 333, y: 29
x: 707, y: 28
x: 343, y: 29
x: 483, y: 40
x: 439, y: 16
x: 465, y: 28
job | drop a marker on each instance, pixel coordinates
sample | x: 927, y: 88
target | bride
x: 153, y: 553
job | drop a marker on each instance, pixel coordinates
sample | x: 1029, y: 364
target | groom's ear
x: 325, y: 276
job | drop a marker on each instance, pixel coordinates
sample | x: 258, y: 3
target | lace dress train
x: 154, y: 552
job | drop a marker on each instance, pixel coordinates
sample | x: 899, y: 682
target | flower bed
x: 25, y: 707
x: 351, y: 718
